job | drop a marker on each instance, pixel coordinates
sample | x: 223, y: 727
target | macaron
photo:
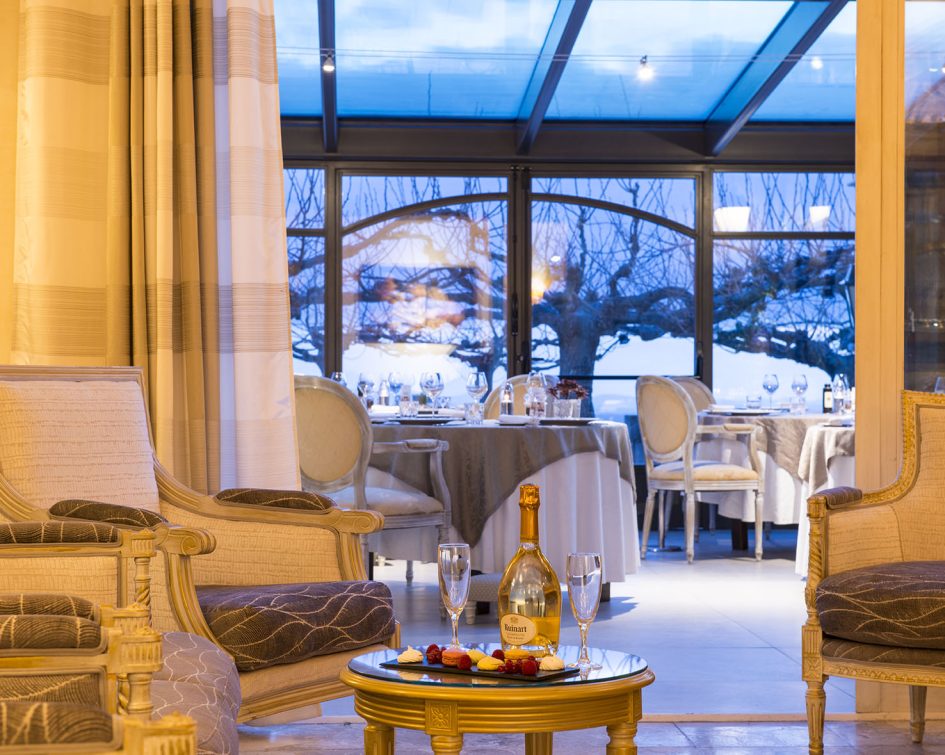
x: 451, y: 656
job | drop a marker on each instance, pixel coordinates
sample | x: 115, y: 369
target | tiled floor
x: 722, y: 636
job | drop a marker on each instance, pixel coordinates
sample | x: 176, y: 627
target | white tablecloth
x: 585, y: 506
x: 841, y: 472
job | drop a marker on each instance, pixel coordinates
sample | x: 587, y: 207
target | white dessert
x: 551, y: 663
x: 410, y: 655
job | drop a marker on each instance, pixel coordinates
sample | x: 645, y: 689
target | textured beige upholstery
x: 77, y: 440
x: 703, y: 471
x: 105, y: 437
x: 669, y: 429
x: 875, y: 578
x: 491, y: 407
x: 336, y: 442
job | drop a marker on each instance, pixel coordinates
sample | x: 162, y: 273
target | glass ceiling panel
x: 822, y: 86
x: 297, y: 50
x: 925, y: 67
x: 437, y: 58
x: 694, y: 50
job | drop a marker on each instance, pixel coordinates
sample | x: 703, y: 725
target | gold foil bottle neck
x: 528, y: 497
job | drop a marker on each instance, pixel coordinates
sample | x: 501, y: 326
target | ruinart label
x: 516, y: 629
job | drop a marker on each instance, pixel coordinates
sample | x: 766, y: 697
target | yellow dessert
x: 488, y: 663
x: 410, y: 655
x: 551, y: 663
x: 516, y: 654
x: 475, y: 655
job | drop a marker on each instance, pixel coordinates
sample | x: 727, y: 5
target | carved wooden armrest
x: 840, y: 498
x: 184, y: 541
x: 410, y: 446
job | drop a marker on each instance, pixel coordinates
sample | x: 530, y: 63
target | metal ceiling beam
x: 326, y: 43
x: 803, y: 23
x: 562, y: 34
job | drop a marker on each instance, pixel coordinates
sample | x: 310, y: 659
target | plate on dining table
x: 748, y: 412
x: 423, y: 420
x: 566, y: 421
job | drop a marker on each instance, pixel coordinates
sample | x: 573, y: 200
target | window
x: 424, y: 277
x: 305, y: 220
x: 783, y: 255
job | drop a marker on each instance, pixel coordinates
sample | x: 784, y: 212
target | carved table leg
x: 538, y: 743
x: 621, y: 739
x: 378, y: 739
x: 447, y: 743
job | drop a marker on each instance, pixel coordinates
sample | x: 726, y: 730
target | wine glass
x: 799, y: 386
x: 431, y: 383
x: 584, y: 586
x: 453, y: 562
x: 476, y: 385
x: 770, y: 384
x: 396, y: 381
x: 365, y: 388
x: 339, y: 377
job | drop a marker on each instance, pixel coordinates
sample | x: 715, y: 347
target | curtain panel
x: 148, y: 223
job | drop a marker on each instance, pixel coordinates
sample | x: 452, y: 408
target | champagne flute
x: 431, y: 383
x: 453, y: 562
x: 477, y: 385
x: 770, y: 384
x: 584, y: 586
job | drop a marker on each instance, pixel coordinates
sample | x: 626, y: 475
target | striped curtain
x: 148, y: 226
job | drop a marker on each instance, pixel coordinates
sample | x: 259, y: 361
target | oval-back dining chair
x: 336, y: 442
x: 669, y: 429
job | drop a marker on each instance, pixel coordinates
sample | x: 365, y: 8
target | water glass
x: 472, y: 413
x: 396, y: 382
x: 770, y: 384
x: 453, y: 567
x: 753, y: 401
x: 584, y: 578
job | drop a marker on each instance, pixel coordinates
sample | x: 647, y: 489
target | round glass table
x: 446, y: 705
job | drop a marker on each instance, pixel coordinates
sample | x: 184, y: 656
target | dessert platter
x: 510, y: 664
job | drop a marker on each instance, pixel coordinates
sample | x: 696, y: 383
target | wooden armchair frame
x: 207, y: 538
x: 850, y: 529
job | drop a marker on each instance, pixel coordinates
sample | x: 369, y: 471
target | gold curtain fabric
x: 148, y: 225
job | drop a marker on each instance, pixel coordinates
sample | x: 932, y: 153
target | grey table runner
x: 782, y: 435
x: 485, y: 464
x: 823, y: 444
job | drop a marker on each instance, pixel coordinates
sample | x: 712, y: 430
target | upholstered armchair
x: 76, y: 442
x: 876, y: 578
x: 75, y: 676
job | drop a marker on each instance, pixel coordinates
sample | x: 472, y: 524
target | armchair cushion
x: 389, y: 501
x: 57, y: 532
x: 860, y: 651
x: 48, y: 632
x: 898, y: 604
x: 201, y: 681
x: 703, y: 471
x: 281, y: 499
x: 275, y: 624
x: 38, y: 604
x: 52, y: 723
x: 109, y: 513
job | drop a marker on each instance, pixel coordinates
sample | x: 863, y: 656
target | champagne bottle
x: 529, y: 593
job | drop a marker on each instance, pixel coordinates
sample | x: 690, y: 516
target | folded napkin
x: 379, y: 410
x: 721, y: 407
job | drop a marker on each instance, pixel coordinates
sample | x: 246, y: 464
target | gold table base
x: 446, y: 713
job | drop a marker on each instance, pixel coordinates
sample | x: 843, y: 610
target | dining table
x: 584, y: 470
x: 828, y: 460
